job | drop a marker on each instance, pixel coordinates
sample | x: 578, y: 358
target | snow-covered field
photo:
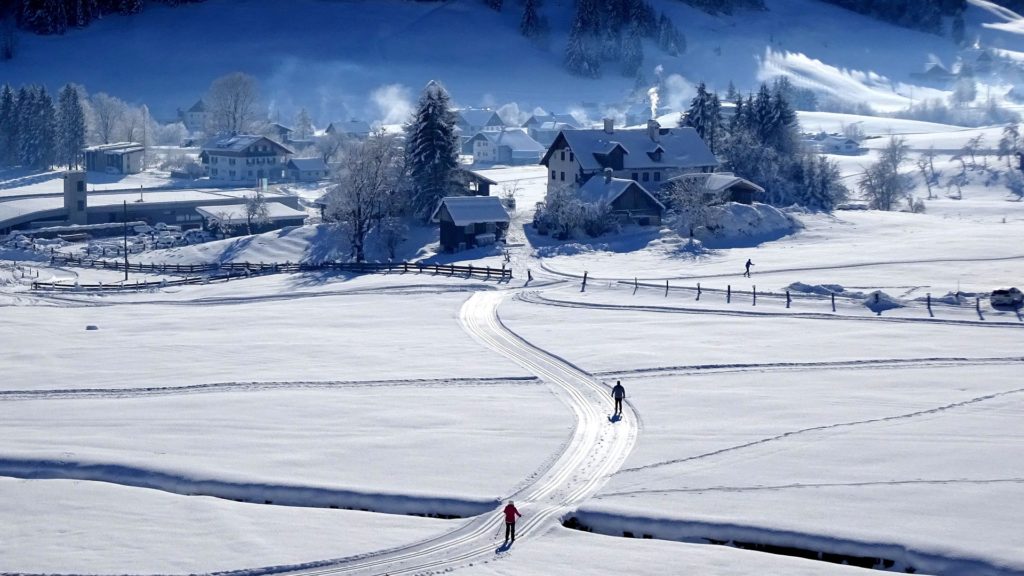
x: 296, y: 422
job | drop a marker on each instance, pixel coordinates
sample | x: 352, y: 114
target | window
x: 657, y: 176
x: 552, y: 174
x: 250, y: 173
x: 231, y: 173
x: 636, y: 176
x: 562, y: 176
x: 213, y: 172
x: 647, y: 176
x: 563, y: 155
x: 570, y: 156
x: 81, y: 186
x: 81, y: 205
x: 216, y: 159
x: 231, y: 161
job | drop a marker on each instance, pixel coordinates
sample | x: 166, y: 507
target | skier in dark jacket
x: 510, y: 520
x: 618, y: 393
x: 747, y: 268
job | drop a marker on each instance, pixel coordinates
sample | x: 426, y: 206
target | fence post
x: 488, y: 276
x: 787, y: 299
x: 698, y: 291
x: 529, y: 275
x: 833, y: 301
x: 584, y: 281
x: 470, y: 270
x: 929, y: 303
x: 755, y: 296
x: 666, y: 288
x: 451, y: 271
x: 977, y: 305
x: 635, y: 285
x: 728, y: 293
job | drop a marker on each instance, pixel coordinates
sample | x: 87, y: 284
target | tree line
x: 761, y: 142
x: 37, y: 133
x: 58, y: 16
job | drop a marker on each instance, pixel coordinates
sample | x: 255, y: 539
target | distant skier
x: 618, y: 393
x: 510, y: 521
x: 748, y: 265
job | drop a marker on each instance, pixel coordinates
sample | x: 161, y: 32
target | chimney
x: 609, y: 125
x: 607, y: 175
x: 652, y: 129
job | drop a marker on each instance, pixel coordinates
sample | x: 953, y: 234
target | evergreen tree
x: 670, y: 39
x: 432, y: 150
x: 46, y: 127
x: 70, y: 126
x: 957, y: 30
x: 129, y: 7
x: 582, y: 53
x: 303, y: 125
x: 730, y: 92
x: 530, y: 25
x: 632, y: 53
x: 705, y: 116
x: 8, y: 127
x: 24, y: 108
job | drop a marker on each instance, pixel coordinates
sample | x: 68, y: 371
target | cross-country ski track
x: 597, y: 449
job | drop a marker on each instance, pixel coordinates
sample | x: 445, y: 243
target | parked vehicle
x: 1006, y: 297
x: 196, y: 236
x: 142, y: 229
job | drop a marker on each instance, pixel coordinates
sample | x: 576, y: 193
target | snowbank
x: 735, y: 225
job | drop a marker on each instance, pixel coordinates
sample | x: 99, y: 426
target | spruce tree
x: 24, y: 108
x: 8, y: 127
x: 432, y: 150
x: 530, y: 25
x: 632, y: 53
x: 70, y: 127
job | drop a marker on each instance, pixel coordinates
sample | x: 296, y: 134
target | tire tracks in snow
x: 221, y: 387
x: 762, y: 272
x: 797, y: 486
x: 534, y: 297
x: 813, y: 429
x: 867, y: 364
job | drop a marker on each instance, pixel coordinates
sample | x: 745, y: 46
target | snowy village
x: 532, y: 287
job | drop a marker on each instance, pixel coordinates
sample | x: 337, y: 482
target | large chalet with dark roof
x: 244, y: 158
x: 647, y: 156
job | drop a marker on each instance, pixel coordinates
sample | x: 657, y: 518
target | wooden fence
x: 205, y: 273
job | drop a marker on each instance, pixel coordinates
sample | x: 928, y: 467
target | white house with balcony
x: 244, y: 158
x: 647, y: 156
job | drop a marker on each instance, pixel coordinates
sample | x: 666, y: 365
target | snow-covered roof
x: 478, y: 117
x: 349, y: 127
x: 515, y: 138
x: 199, y: 106
x: 466, y: 210
x: 541, y: 119
x: 718, y: 181
x: 605, y: 190
x: 116, y: 148
x: 682, y: 147
x: 235, y: 213
x: 239, y: 142
x: 280, y: 127
x: 306, y: 164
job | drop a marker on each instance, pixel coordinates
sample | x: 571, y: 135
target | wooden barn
x: 470, y: 221
x: 629, y: 201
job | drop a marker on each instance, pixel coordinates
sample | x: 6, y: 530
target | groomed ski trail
x: 597, y: 449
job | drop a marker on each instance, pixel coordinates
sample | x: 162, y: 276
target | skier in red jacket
x: 510, y: 520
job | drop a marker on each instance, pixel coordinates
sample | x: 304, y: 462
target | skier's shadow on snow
x: 615, y: 417
x: 503, y: 548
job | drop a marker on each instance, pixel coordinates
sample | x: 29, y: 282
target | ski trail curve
x: 596, y: 450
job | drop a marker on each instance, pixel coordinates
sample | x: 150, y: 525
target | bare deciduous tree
x: 256, y: 212
x: 107, y: 113
x: 688, y: 203
x: 882, y: 183
x: 232, y: 103
x: 366, y: 187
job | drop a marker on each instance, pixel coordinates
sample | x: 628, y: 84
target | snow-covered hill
x: 369, y: 59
